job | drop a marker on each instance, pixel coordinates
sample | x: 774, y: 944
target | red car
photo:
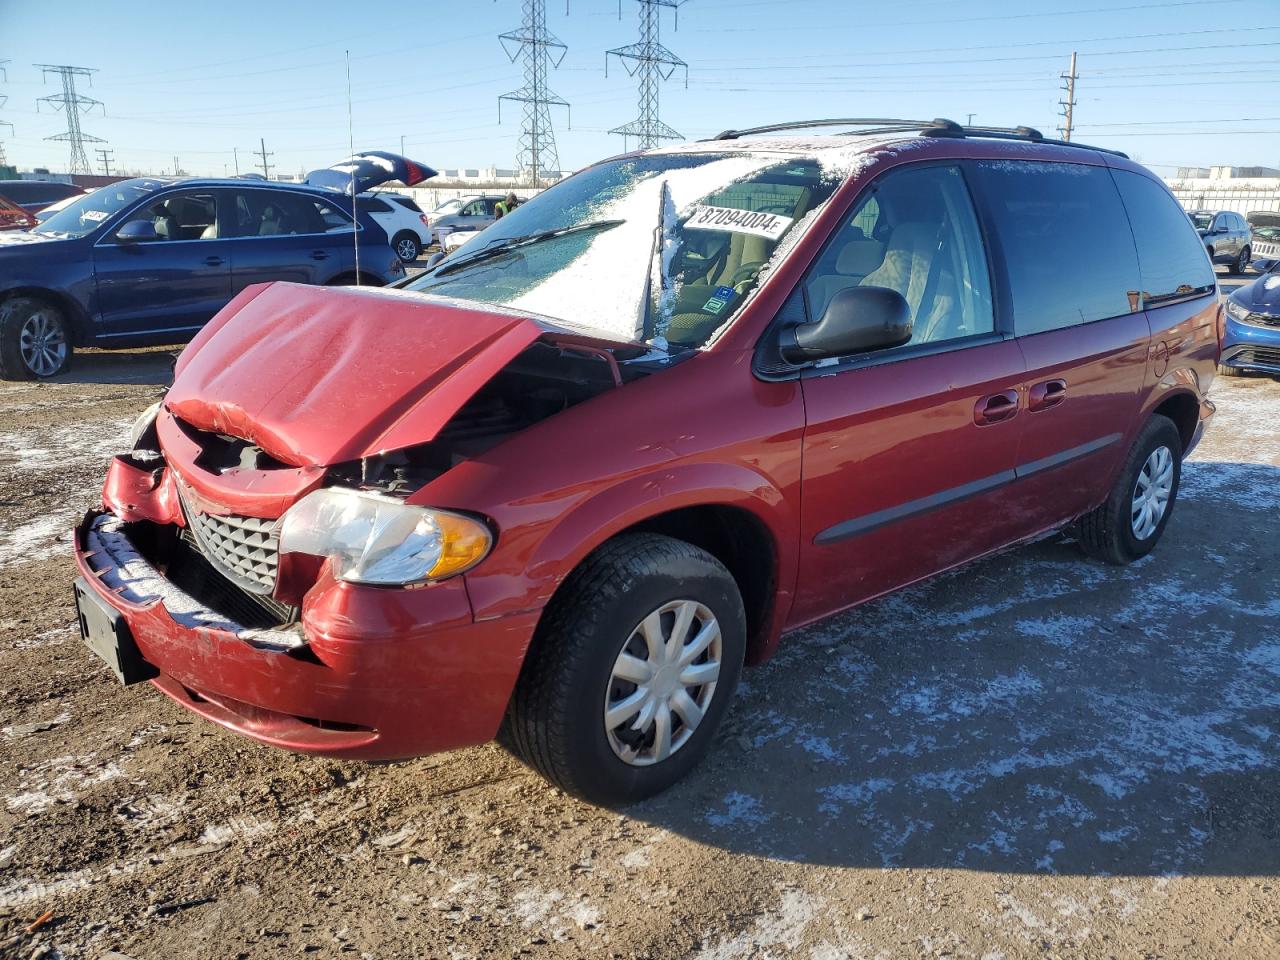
x: 13, y: 217
x: 567, y: 482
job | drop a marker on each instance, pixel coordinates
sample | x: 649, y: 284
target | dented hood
x: 317, y: 376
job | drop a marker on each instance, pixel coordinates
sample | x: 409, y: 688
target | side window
x: 1170, y: 252
x: 476, y: 208
x: 181, y: 216
x: 333, y: 219
x: 374, y: 205
x: 1066, y: 241
x: 273, y: 213
x: 915, y: 232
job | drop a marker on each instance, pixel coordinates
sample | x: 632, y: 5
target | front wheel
x: 1241, y: 263
x: 406, y: 246
x: 631, y: 671
x: 35, y: 342
x: 1129, y: 524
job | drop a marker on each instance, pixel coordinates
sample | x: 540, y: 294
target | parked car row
x: 150, y: 261
x: 569, y: 481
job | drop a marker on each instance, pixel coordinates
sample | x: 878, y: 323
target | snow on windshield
x: 605, y: 286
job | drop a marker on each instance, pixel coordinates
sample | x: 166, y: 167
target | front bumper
x: 367, y: 673
x: 1251, y: 346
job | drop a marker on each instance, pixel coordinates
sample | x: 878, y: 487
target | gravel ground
x: 1035, y: 756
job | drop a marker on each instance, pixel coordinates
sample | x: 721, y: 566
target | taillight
x: 423, y: 218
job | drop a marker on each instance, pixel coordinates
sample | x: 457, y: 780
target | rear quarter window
x: 1171, y: 254
x: 1066, y: 241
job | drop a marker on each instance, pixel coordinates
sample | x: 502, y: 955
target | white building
x: 1242, y: 190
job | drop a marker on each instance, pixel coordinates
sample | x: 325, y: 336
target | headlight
x: 381, y: 540
x: 1234, y: 309
x: 143, y: 424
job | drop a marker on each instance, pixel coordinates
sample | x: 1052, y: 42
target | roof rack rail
x: 938, y: 127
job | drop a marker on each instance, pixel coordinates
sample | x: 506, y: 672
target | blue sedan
x: 150, y: 261
x: 1251, y: 341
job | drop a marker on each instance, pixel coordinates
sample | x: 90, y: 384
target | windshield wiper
x: 499, y: 247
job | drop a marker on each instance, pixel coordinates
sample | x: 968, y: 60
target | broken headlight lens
x: 380, y: 540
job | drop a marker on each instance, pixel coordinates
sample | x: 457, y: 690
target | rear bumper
x: 368, y: 673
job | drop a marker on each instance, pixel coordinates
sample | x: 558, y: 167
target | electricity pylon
x: 652, y: 62
x: 541, y: 51
x: 72, y: 104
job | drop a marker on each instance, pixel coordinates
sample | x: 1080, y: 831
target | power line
x: 652, y: 62
x: 72, y: 104
x: 1068, y: 105
x: 541, y: 51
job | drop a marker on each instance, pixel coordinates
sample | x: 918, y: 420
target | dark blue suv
x: 150, y: 261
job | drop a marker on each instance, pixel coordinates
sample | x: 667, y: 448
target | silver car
x: 462, y: 214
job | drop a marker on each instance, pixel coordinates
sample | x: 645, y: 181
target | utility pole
x: 1068, y: 105
x: 651, y: 62
x: 541, y: 51
x: 235, y: 152
x: 177, y: 170
x: 104, y: 157
x: 266, y: 167
x: 969, y: 122
x: 3, y: 100
x: 73, y: 105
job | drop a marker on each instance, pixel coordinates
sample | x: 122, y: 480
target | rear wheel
x: 1131, y: 521
x: 631, y: 671
x: 1241, y: 263
x: 406, y: 246
x: 35, y: 340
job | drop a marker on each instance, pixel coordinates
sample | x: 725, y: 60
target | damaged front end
x: 258, y: 546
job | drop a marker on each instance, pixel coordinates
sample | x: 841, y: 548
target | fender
x: 517, y: 587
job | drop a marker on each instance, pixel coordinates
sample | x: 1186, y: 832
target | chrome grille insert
x: 245, y: 550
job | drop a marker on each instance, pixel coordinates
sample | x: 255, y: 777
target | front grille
x: 190, y: 570
x: 245, y: 550
x: 1256, y: 357
x: 1263, y: 318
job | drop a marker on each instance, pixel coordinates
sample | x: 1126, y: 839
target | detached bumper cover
x: 368, y: 673
x: 1251, y: 346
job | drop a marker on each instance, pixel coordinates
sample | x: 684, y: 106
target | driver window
x: 915, y: 232
x: 181, y: 216
x: 474, y: 209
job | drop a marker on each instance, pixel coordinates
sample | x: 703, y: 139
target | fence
x: 1260, y: 195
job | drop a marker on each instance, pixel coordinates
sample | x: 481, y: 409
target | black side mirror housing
x: 136, y: 231
x: 434, y: 259
x: 858, y: 320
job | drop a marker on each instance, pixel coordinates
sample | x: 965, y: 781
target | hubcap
x: 662, y: 682
x: 406, y: 250
x: 1151, y: 493
x: 43, y: 343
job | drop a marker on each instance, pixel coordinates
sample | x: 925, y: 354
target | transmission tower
x: 541, y: 51
x: 3, y: 100
x: 72, y: 104
x: 652, y: 62
x: 1068, y: 105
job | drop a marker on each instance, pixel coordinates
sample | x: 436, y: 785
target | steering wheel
x: 746, y: 273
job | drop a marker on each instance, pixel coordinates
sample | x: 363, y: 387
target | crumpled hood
x: 324, y: 375
x: 22, y: 238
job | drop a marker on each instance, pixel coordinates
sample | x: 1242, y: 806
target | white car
x: 402, y: 219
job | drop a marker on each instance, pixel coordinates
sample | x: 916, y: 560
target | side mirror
x: 137, y: 231
x: 434, y: 259
x: 857, y: 320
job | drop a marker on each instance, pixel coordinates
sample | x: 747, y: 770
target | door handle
x: 1047, y: 394
x: 319, y: 255
x: 214, y: 261
x: 996, y: 408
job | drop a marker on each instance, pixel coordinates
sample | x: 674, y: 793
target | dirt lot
x: 1036, y: 756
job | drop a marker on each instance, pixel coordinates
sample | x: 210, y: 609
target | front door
x: 170, y: 285
x: 908, y: 453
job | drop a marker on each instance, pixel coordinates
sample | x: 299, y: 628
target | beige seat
x: 912, y: 266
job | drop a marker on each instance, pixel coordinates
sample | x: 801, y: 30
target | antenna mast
x: 652, y: 62
x: 72, y: 104
x: 541, y: 51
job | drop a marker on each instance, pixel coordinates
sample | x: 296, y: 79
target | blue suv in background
x: 149, y: 261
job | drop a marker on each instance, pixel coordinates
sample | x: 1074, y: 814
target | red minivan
x: 560, y: 487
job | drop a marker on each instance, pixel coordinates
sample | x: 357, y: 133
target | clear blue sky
x: 1173, y: 83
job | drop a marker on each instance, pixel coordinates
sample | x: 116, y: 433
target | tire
x: 35, y: 339
x: 1110, y: 532
x: 556, y: 720
x: 1241, y: 262
x: 406, y: 246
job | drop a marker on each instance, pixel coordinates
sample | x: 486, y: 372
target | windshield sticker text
x: 769, y: 225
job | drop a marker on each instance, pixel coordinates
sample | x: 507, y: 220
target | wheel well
x: 81, y: 333
x: 742, y: 543
x: 1184, y: 410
